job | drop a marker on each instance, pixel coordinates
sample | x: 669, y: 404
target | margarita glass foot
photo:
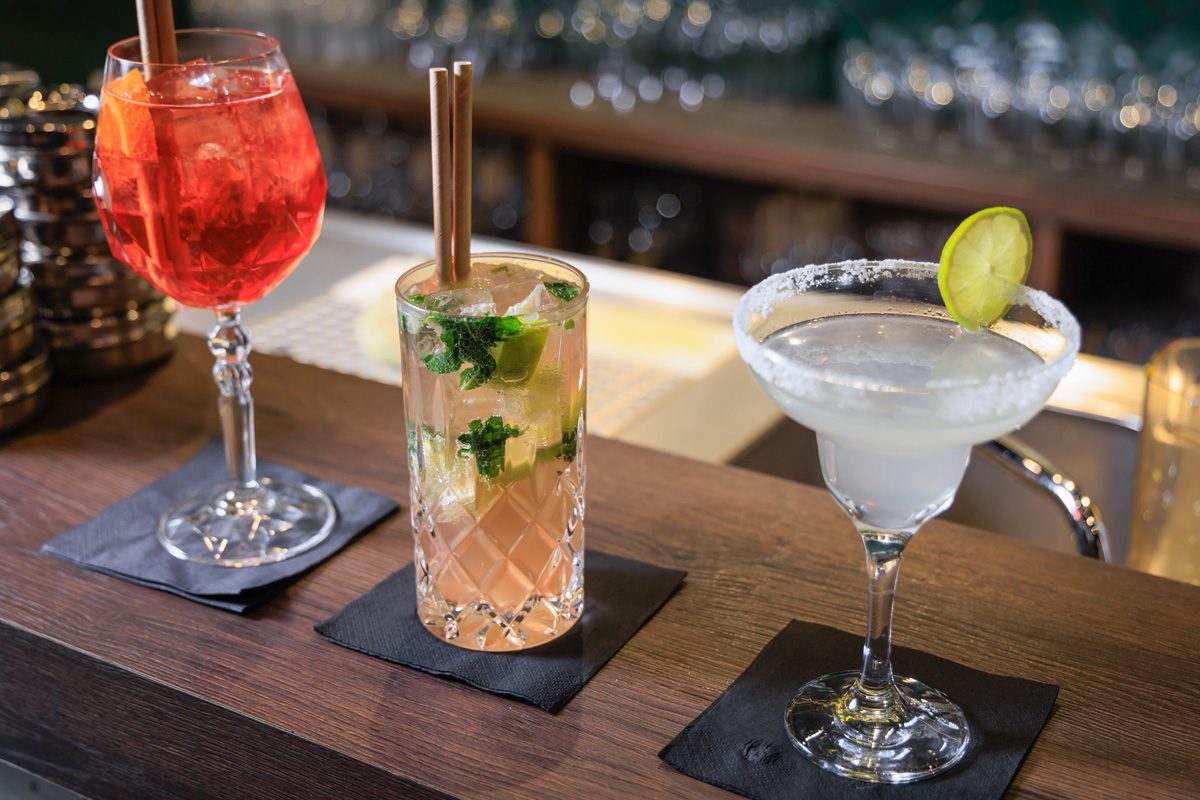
x: 914, y: 734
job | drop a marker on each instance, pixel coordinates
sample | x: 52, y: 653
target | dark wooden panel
x: 110, y: 735
x: 542, y: 184
x: 759, y: 551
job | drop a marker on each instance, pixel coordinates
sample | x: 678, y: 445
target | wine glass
x: 210, y: 186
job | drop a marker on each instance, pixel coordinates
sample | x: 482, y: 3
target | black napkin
x: 739, y: 743
x: 121, y: 540
x: 620, y: 595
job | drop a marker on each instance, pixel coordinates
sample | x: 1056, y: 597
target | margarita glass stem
x: 230, y: 346
x: 874, y: 693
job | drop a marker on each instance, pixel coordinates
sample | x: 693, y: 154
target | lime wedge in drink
x: 518, y: 357
x: 548, y: 407
x: 984, y: 261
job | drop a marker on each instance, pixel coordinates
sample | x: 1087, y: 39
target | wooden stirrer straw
x: 439, y: 124
x: 156, y: 29
x: 462, y: 169
x: 156, y: 32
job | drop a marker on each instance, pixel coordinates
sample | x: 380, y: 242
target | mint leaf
x: 469, y: 340
x: 416, y: 300
x: 412, y: 440
x: 485, y: 441
x: 569, y: 324
x: 562, y: 290
x: 569, y: 445
x: 442, y: 362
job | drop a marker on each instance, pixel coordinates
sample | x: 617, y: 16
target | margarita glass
x: 866, y: 354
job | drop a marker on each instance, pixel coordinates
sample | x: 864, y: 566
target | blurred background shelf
x: 810, y: 148
x: 737, y: 189
x: 730, y: 139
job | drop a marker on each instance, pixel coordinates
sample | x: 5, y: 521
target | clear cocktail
x: 867, y: 355
x: 495, y: 373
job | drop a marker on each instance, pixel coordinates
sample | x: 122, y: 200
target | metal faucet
x: 1091, y: 536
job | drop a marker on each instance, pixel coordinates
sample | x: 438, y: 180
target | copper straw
x: 439, y: 121
x: 462, y: 169
x: 156, y: 29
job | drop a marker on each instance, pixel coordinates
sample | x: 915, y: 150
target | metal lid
x: 91, y: 288
x: 35, y: 251
x: 16, y: 344
x: 16, y: 309
x: 62, y: 97
x: 68, y: 236
x: 8, y: 222
x: 44, y: 169
x: 90, y: 269
x: 99, y: 332
x: 27, y: 378
x: 107, y: 362
x: 16, y: 79
x: 10, y: 268
x: 85, y: 302
x: 50, y: 130
x: 44, y: 206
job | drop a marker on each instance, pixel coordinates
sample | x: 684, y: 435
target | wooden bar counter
x: 118, y: 691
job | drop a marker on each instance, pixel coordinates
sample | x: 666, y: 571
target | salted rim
x: 761, y: 299
x: 564, y: 311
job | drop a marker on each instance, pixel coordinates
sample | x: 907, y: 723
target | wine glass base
x: 229, y: 527
x: 924, y: 734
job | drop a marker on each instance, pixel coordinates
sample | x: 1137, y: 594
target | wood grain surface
x: 121, y: 692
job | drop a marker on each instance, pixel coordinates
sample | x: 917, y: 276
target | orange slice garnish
x: 125, y: 121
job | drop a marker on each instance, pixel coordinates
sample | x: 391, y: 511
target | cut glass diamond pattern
x: 504, y: 594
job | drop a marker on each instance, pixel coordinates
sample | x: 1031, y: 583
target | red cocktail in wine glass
x: 210, y: 186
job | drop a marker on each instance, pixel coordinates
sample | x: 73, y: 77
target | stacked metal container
x: 24, y: 363
x: 98, y: 318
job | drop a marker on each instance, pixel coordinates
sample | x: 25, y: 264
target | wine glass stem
x: 230, y: 346
x: 883, y: 549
